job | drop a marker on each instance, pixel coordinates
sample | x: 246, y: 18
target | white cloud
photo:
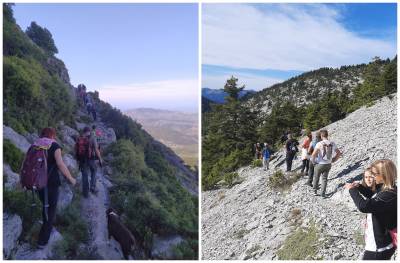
x: 284, y: 37
x: 253, y: 82
x: 167, y: 94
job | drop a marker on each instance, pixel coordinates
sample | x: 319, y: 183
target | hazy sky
x: 135, y: 55
x: 263, y: 44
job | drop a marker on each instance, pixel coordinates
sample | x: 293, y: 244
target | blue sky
x: 263, y: 44
x: 135, y: 55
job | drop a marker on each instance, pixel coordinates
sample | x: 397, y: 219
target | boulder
x: 32, y: 137
x: 12, y: 229
x: 162, y: 246
x: 12, y: 180
x: 71, y: 163
x: 17, y: 139
x: 68, y: 134
x: 26, y: 252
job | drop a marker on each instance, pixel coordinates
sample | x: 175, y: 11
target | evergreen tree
x: 42, y: 37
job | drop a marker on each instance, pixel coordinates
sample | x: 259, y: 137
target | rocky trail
x: 251, y: 220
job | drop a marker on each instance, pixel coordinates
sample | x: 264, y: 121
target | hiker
x: 258, y: 151
x: 311, y: 164
x: 381, y: 210
x: 305, y: 157
x: 323, y: 151
x: 82, y: 94
x: 291, y: 150
x: 86, y: 152
x: 284, y: 137
x: 55, y: 163
x: 266, y: 155
x: 368, y: 180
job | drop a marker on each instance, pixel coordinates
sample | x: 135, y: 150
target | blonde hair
x: 387, y: 169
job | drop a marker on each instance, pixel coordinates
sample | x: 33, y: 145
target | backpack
x: 327, y: 150
x: 83, y: 148
x: 34, y: 168
x: 393, y: 235
x: 34, y: 173
x: 293, y: 147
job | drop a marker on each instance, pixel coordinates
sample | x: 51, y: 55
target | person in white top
x: 325, y: 153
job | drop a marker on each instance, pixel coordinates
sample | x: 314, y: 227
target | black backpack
x: 293, y: 147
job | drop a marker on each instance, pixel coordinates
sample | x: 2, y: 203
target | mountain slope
x: 253, y: 220
x: 155, y: 195
x: 308, y: 87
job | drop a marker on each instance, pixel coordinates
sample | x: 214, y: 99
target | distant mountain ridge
x: 218, y: 95
x: 310, y: 86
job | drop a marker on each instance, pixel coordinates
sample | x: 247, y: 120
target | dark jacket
x: 382, y: 206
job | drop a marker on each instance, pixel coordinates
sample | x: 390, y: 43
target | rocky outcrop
x: 18, y: 140
x: 68, y: 135
x: 12, y: 179
x: 27, y: 252
x: 162, y: 246
x: 13, y: 225
x: 252, y: 220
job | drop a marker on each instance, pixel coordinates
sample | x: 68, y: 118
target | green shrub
x: 281, y: 181
x: 12, y: 155
x: 73, y: 228
x: 186, y: 250
x: 148, y: 193
x: 19, y: 202
x: 300, y: 245
x: 230, y: 178
x: 257, y: 163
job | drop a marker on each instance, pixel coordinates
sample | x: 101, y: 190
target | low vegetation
x: 257, y: 163
x: 150, y: 196
x: 281, y: 181
x: 12, y: 155
x: 300, y: 245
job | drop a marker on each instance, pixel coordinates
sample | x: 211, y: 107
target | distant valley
x: 177, y: 130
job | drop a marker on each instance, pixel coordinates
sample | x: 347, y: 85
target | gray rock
x: 162, y: 246
x: 12, y: 229
x: 71, y: 163
x: 12, y: 180
x: 26, y: 252
x: 18, y: 140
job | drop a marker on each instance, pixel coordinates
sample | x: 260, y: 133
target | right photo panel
x: 299, y: 131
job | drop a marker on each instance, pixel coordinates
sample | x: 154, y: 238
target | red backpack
x: 84, y: 149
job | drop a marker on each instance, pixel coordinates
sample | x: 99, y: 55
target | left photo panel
x: 100, y: 131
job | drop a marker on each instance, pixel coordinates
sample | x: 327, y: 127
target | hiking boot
x: 308, y: 183
x: 316, y: 193
x: 94, y: 191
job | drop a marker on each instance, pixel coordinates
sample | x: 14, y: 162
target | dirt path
x: 94, y: 212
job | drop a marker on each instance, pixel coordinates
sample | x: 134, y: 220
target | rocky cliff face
x: 253, y: 221
x: 307, y: 87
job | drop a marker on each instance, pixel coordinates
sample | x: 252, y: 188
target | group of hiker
x: 86, y: 101
x: 376, y: 195
x: 42, y: 164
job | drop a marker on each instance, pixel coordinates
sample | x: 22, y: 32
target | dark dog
x: 121, y: 233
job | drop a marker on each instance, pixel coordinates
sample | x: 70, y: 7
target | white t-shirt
x: 320, y: 146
